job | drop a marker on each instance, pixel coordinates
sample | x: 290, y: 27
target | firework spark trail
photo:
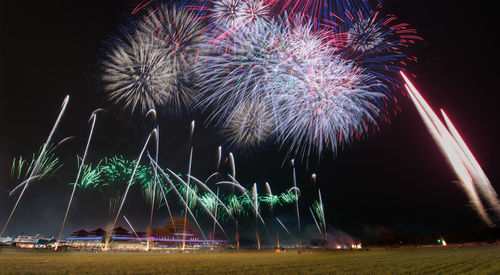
x: 131, y: 227
x: 110, y: 232
x: 256, y: 211
x: 255, y: 199
x: 155, y: 182
x: 445, y: 142
x: 179, y: 195
x: 64, y: 140
x: 316, y: 222
x: 237, y: 236
x: 140, y: 6
x: 24, y: 183
x: 236, y: 209
x: 42, y: 153
x: 93, y: 117
x: 296, y: 194
x: 152, y: 112
x: 284, y: 227
x: 233, y: 166
x: 190, y: 140
x: 320, y: 10
x: 477, y: 173
x: 271, y: 197
x: 188, y: 180
x: 487, y: 191
x: 165, y: 199
x: 216, y: 174
x: 191, y: 132
x: 219, y: 158
x: 215, y: 214
x: 449, y: 147
x: 322, y: 211
x: 13, y: 167
x: 325, y: 11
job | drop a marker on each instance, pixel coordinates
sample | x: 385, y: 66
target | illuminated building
x: 177, y: 233
x: 37, y: 241
x: 6, y: 240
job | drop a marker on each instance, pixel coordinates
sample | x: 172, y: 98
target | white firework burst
x: 252, y: 11
x: 377, y: 44
x: 134, y: 72
x: 226, y: 12
x: 152, y: 65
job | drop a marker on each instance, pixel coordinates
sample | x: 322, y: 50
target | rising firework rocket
x: 110, y: 232
x: 93, y: 117
x: 480, y: 179
x: 40, y: 157
x: 457, y: 153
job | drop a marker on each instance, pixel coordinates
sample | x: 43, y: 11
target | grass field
x: 449, y: 260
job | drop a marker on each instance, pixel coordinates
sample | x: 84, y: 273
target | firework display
x: 264, y: 71
x: 308, y: 77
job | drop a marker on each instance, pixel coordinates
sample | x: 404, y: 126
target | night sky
x: 393, y: 178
